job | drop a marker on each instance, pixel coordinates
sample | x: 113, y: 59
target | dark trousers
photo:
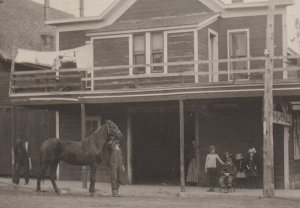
x: 18, y: 166
x: 212, y: 175
x: 115, y: 176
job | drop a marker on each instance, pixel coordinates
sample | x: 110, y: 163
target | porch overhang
x: 156, y: 94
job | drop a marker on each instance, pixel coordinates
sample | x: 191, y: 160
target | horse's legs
x: 41, y: 175
x: 53, y: 169
x: 93, y: 178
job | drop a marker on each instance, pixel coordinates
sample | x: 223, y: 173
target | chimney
x: 46, y: 9
x: 81, y: 8
x: 237, y: 1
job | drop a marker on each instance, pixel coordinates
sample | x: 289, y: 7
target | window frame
x: 139, y: 70
x: 155, y: 52
x: 229, y: 49
x: 91, y: 119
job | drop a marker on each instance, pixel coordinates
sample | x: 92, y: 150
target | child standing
x: 211, y: 167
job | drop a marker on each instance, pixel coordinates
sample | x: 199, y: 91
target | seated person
x: 228, y: 172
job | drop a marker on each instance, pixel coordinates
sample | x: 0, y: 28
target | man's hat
x: 239, y: 156
x: 212, y: 147
x: 252, y: 150
x: 228, y: 154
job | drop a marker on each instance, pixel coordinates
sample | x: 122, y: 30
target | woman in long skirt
x: 193, y: 169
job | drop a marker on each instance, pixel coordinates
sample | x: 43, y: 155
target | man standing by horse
x: 117, y: 168
x: 22, y: 160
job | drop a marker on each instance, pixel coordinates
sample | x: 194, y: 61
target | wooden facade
x: 218, y: 93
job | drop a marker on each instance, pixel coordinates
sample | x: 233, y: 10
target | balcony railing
x: 118, y: 78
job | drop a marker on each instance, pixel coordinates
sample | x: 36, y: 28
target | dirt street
x: 11, y: 197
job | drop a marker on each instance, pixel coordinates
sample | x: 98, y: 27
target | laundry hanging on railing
x: 82, y: 56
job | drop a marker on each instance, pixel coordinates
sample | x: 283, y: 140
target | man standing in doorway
x: 117, y: 168
x: 22, y: 160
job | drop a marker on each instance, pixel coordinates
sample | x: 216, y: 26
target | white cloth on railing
x: 82, y: 56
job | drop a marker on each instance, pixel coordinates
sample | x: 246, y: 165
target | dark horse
x: 88, y: 152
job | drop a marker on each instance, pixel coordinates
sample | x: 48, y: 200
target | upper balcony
x: 189, y: 80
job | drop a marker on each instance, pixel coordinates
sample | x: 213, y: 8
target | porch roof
x: 169, y: 21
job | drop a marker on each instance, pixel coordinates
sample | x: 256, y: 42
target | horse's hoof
x: 58, y: 192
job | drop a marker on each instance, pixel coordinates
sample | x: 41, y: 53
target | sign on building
x: 282, y: 118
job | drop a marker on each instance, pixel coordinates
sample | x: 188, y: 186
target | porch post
x: 57, y: 136
x: 181, y: 127
x: 13, y: 143
x: 268, y: 155
x: 83, y: 133
x: 197, y: 142
x: 286, y: 135
x: 129, y: 148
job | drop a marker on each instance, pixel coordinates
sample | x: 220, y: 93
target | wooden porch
x: 166, y: 81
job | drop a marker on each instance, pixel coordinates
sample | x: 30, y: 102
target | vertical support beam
x: 81, y: 8
x: 131, y: 54
x: 46, y: 9
x: 13, y: 143
x: 268, y: 155
x: 181, y: 127
x: 196, y: 56
x: 148, y: 52
x: 57, y: 136
x: 286, y: 136
x: 197, y: 141
x: 165, y: 52
x: 285, y: 43
x: 83, y: 133
x: 129, y: 148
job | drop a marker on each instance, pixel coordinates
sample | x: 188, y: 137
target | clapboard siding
x: 257, y: 28
x: 4, y: 88
x: 72, y: 39
x: 145, y: 9
x: 111, y: 52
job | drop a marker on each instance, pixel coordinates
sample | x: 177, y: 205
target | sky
x: 96, y: 7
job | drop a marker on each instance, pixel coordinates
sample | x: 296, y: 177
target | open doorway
x: 155, y: 148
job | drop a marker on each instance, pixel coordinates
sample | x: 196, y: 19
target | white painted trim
x: 284, y: 43
x: 148, y: 51
x: 131, y: 54
x: 110, y: 36
x: 165, y: 52
x: 196, y: 55
x: 214, y: 5
x: 208, y: 21
x: 247, y: 30
x: 57, y: 136
x: 180, y: 31
x: 249, y: 12
x: 258, y: 4
x: 214, y: 66
x: 157, y: 29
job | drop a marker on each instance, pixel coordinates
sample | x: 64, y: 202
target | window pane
x: 157, y: 42
x: 157, y: 58
x: 239, y: 44
x: 139, y: 43
x: 139, y: 59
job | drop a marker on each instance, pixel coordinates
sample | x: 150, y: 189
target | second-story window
x: 238, y: 48
x: 157, y: 52
x: 139, y: 53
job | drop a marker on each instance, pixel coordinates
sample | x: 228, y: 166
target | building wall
x: 72, y: 39
x: 145, y: 9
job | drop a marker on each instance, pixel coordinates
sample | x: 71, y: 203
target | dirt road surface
x: 137, y: 197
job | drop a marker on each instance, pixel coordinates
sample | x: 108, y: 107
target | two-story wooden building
x: 170, y: 69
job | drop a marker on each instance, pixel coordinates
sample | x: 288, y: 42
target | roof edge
x: 257, y: 4
x: 86, y: 19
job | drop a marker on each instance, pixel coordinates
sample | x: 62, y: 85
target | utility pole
x: 268, y: 154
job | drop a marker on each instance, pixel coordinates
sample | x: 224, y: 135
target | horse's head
x: 113, y: 131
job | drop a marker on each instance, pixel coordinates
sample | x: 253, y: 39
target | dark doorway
x: 155, y: 148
